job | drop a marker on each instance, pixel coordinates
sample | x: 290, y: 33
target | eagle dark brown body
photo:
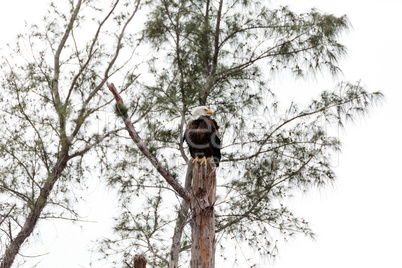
x: 203, y: 139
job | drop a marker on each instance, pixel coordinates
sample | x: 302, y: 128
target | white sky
x: 359, y: 221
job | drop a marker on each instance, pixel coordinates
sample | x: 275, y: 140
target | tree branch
x: 8, y: 213
x: 56, y: 75
x: 181, y: 221
x: 216, y: 45
x: 89, y: 146
x: 183, y: 193
x: 90, y: 54
x: 106, y: 74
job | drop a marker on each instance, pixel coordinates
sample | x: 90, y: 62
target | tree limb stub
x: 116, y: 94
x: 183, y: 193
x: 140, y: 261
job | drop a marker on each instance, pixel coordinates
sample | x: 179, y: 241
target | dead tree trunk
x: 140, y: 261
x: 203, y: 217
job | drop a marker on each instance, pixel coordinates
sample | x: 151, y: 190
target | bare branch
x: 216, y: 46
x: 8, y: 213
x: 89, y: 146
x: 116, y: 55
x: 90, y: 53
x: 58, y: 52
x: 183, y: 193
x: 16, y: 193
x: 83, y: 114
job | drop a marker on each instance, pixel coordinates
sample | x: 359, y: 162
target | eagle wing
x: 203, y: 139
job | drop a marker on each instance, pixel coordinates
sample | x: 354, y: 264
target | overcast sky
x: 358, y: 221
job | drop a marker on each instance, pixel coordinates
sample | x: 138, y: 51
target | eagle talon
x: 195, y: 160
x: 203, y: 161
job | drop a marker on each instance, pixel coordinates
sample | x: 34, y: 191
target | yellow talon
x: 203, y: 161
x: 195, y: 160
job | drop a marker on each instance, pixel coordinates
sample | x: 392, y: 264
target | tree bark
x: 203, y: 217
x: 202, y: 201
x: 144, y: 149
x: 182, y: 216
x: 15, y: 244
x: 140, y: 261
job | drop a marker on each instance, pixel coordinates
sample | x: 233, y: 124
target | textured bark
x: 203, y: 218
x: 140, y: 261
x: 144, y: 149
x: 32, y: 219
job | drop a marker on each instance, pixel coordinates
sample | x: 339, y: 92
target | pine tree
x: 221, y: 54
x: 52, y: 110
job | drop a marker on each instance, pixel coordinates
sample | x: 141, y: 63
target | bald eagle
x: 202, y: 136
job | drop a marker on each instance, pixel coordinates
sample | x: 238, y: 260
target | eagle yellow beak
x: 209, y: 112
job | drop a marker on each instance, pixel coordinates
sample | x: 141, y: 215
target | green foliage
x: 52, y: 113
x: 269, y: 153
x: 186, y: 59
x: 121, y: 110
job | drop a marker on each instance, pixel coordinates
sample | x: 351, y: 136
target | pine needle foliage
x: 223, y: 54
x: 121, y: 110
x: 53, y: 106
x: 180, y: 54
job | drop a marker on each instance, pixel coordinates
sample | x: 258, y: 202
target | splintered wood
x: 115, y: 93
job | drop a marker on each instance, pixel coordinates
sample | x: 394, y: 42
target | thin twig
x: 8, y: 213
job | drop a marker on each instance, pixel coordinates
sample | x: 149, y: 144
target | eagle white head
x: 200, y: 111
